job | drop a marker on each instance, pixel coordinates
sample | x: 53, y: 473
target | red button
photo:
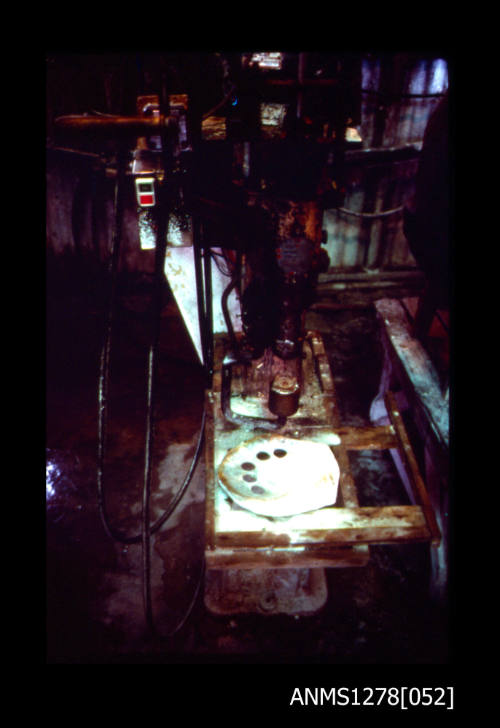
x: 146, y: 199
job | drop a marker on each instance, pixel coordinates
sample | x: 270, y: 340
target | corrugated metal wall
x: 400, y: 91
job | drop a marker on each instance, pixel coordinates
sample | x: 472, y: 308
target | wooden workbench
x: 334, y: 536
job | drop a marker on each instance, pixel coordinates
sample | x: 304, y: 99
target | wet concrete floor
x: 377, y: 614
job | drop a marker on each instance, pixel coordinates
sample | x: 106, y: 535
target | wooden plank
x: 368, y: 438
x: 339, y: 527
x: 379, y: 437
x: 406, y: 451
x: 322, y: 364
x: 415, y: 369
x: 347, y: 486
x: 298, y: 558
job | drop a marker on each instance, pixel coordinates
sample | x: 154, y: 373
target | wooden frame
x: 335, y: 536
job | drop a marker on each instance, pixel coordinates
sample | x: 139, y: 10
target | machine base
x: 299, y: 592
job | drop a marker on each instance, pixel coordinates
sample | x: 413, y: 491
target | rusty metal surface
x: 330, y: 526
x: 299, y: 557
x: 406, y: 452
x: 367, y: 438
x: 284, y: 395
x: 115, y: 125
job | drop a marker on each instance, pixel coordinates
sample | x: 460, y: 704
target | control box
x: 145, y: 191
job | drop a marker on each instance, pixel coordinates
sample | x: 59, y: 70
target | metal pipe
x: 370, y: 215
x: 133, y: 125
x: 300, y: 78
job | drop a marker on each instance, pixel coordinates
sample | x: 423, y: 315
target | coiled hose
x: 147, y: 530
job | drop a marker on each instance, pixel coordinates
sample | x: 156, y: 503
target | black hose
x: 162, y: 211
x: 371, y: 215
x: 186, y: 614
x: 106, y: 348
x: 146, y: 526
x: 207, y: 269
x: 104, y: 388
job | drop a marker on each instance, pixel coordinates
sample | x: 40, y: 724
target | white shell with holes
x: 279, y: 476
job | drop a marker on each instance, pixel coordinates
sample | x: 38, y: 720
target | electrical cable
x: 106, y: 350
x: 227, y: 272
x: 104, y: 388
x: 147, y: 530
x: 383, y: 213
x: 188, y: 611
x: 161, y: 212
x: 218, y: 106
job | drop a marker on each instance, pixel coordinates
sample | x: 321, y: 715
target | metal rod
x: 371, y: 215
x: 94, y: 223
x: 300, y: 78
x: 148, y: 456
x: 134, y: 125
x: 207, y: 260
x: 200, y: 290
x: 406, y: 451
